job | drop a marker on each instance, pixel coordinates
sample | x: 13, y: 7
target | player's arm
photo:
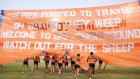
x: 96, y: 59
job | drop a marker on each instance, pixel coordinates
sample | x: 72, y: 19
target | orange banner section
x: 111, y: 32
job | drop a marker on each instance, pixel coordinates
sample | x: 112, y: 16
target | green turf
x: 13, y: 71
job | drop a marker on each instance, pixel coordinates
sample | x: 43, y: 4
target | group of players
x: 63, y: 61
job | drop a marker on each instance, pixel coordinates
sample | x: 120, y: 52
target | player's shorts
x: 66, y: 63
x: 59, y: 64
x: 92, y: 65
x: 77, y: 66
x: 53, y: 63
x: 56, y: 61
x: 100, y: 62
x: 35, y: 62
x: 63, y: 61
x: 72, y: 62
x: 25, y: 63
x: 47, y: 62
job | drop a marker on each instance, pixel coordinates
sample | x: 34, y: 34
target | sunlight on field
x: 13, y: 71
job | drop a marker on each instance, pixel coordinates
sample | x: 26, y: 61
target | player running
x: 55, y: 60
x: 36, y: 61
x: 66, y: 63
x: 63, y: 62
x: 52, y: 64
x: 91, y: 59
x: 77, y: 64
x: 60, y: 60
x: 100, y: 64
x: 25, y: 63
x: 72, y: 63
x: 46, y: 59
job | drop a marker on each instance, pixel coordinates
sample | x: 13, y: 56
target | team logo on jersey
x: 1, y: 16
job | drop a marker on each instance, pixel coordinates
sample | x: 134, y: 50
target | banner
x: 111, y: 32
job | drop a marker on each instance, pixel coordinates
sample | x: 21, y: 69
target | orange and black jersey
x: 60, y: 60
x: 26, y: 60
x: 91, y: 59
x: 66, y: 60
x: 47, y: 58
x: 53, y: 59
x: 77, y: 60
x: 71, y: 59
x: 37, y: 58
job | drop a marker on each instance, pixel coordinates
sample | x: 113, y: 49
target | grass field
x: 13, y: 71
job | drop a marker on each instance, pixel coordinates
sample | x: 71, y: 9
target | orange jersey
x: 36, y: 58
x: 63, y: 57
x: 26, y: 60
x: 66, y: 60
x: 60, y: 60
x: 53, y: 58
x: 47, y: 58
x: 71, y: 59
x: 77, y: 60
x: 91, y: 59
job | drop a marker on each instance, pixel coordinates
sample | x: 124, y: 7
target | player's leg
x: 66, y: 65
x: 90, y: 70
x: 77, y: 70
x: 34, y: 66
x: 60, y: 68
x: 100, y: 64
x: 51, y: 67
x: 27, y: 67
x: 93, y: 67
x: 104, y: 66
x: 56, y: 64
x: 72, y: 67
x: 46, y: 66
x: 23, y: 68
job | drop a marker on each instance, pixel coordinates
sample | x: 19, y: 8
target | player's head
x: 46, y: 54
x: 66, y: 56
x: 91, y: 53
x: 78, y: 55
